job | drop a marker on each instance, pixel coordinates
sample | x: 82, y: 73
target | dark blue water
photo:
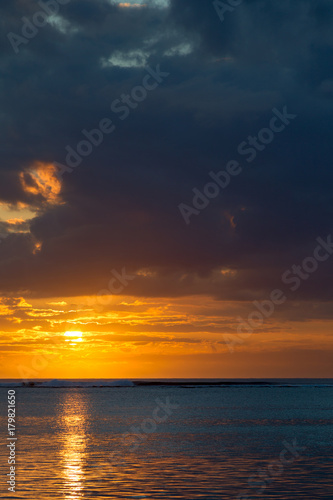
x: 188, y: 442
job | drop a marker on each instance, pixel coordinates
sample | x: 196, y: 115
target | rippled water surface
x: 219, y: 443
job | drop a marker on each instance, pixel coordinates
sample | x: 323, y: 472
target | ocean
x: 176, y: 439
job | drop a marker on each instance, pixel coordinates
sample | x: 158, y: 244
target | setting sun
x: 76, y: 337
x: 73, y: 334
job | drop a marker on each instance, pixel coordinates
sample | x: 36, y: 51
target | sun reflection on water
x: 73, y: 421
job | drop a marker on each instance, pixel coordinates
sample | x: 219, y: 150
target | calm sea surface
x: 188, y: 442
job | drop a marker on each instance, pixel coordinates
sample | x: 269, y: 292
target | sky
x: 166, y: 189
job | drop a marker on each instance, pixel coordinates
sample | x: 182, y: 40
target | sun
x: 75, y: 337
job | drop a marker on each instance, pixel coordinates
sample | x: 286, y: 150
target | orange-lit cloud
x: 151, y: 337
x: 129, y: 5
x: 15, y: 214
x: 15, y: 221
x: 37, y: 248
x: 41, y: 180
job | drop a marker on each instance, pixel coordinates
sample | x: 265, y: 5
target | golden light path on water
x: 73, y: 420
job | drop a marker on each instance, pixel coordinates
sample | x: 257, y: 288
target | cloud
x: 119, y: 207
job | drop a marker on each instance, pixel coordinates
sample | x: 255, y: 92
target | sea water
x: 179, y: 440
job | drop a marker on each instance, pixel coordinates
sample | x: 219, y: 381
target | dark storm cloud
x: 121, y: 203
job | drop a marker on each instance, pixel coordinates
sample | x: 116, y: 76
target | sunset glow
x: 166, y: 249
x: 165, y: 191
x: 141, y: 337
x: 73, y: 334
